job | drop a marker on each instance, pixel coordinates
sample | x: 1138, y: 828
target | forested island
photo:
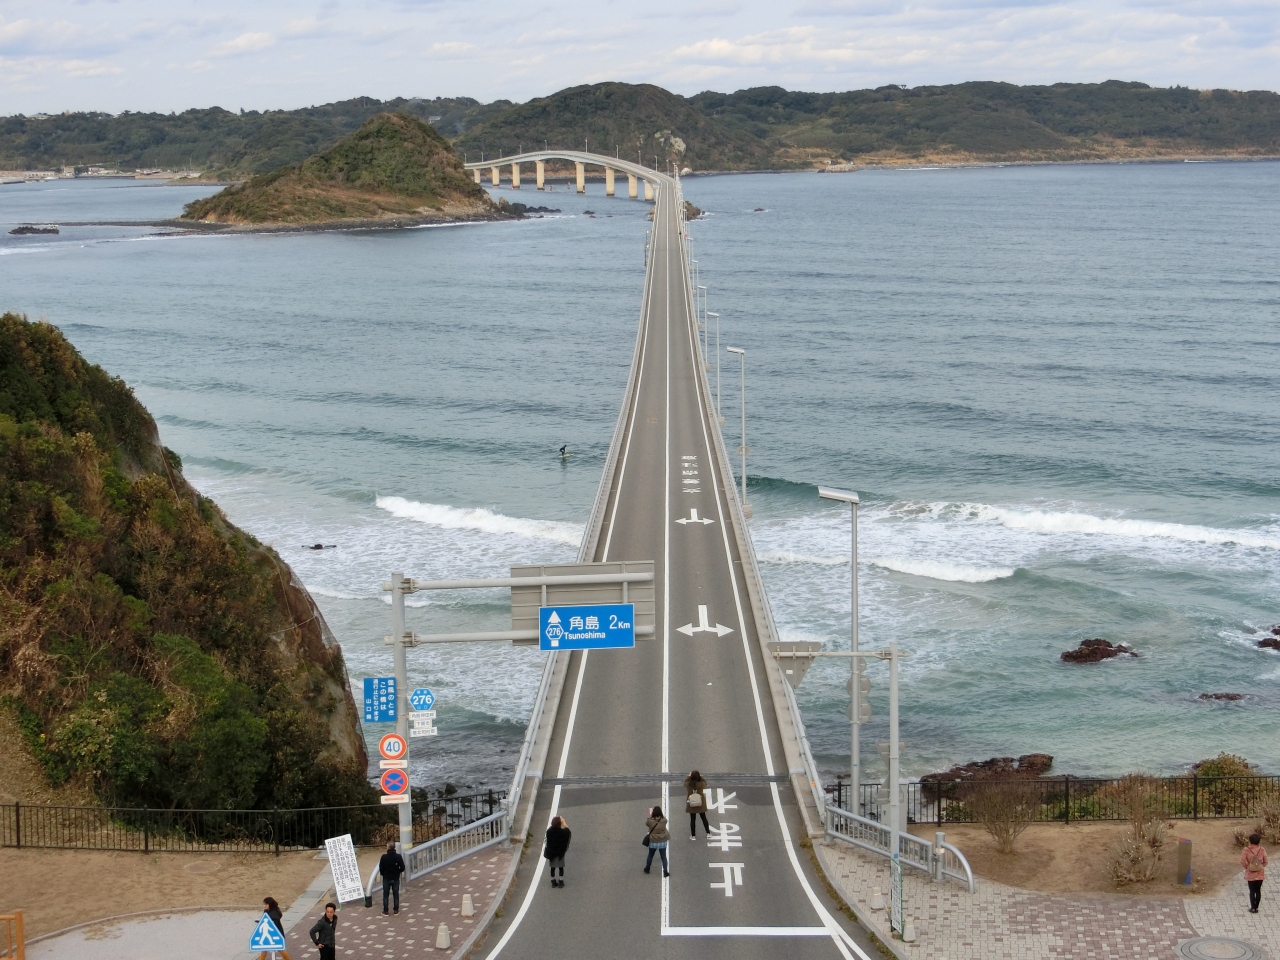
x: 150, y: 651
x: 393, y: 168
x: 764, y: 128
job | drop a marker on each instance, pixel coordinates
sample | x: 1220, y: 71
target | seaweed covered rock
x: 146, y: 644
x: 997, y: 768
x: 1097, y: 649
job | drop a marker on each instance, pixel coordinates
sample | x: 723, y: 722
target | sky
x: 116, y: 55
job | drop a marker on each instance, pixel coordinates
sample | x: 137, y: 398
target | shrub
x: 1004, y: 808
x: 1137, y: 858
x: 1268, y: 824
x: 1229, y: 785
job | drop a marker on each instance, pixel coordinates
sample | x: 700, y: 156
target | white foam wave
x: 939, y: 570
x: 339, y: 594
x: 788, y: 556
x: 1039, y: 521
x: 480, y: 519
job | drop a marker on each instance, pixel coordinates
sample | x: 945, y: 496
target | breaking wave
x: 478, y: 518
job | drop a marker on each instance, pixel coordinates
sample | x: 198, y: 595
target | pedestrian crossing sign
x: 267, y: 937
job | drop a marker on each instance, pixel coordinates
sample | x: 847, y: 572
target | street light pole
x: 855, y: 674
x: 404, y: 810
x: 744, y: 449
x: 703, y: 322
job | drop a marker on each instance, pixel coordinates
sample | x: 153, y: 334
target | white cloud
x: 245, y: 43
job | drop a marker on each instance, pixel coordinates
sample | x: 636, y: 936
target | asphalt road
x: 691, y: 698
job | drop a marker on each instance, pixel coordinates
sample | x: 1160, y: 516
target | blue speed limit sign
x: 422, y: 699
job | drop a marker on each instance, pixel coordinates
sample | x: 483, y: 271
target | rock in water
x: 1270, y: 643
x: 1097, y: 649
x: 1028, y: 765
x: 1229, y: 697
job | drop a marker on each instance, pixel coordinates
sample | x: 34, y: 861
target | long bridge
x: 636, y: 173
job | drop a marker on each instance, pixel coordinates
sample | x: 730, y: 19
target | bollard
x: 1184, y: 861
x: 877, y: 899
x: 442, y: 937
x: 468, y: 908
x: 909, y: 931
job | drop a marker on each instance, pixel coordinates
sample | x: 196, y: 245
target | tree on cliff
x: 146, y: 644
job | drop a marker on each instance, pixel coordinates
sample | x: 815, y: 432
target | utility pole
x: 405, y: 810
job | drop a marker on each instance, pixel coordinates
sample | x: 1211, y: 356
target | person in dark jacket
x: 557, y: 845
x: 391, y: 867
x: 323, y: 932
x: 277, y: 917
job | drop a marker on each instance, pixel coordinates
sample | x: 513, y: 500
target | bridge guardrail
x: 938, y: 859
x: 766, y: 627
x: 440, y: 852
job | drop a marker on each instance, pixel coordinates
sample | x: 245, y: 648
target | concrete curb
x: 141, y: 913
x: 317, y: 890
x: 864, y: 918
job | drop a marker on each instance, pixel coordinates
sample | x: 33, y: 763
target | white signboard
x: 346, y: 871
x: 895, y: 895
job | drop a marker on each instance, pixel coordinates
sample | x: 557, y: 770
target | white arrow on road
x: 703, y: 627
x: 694, y: 518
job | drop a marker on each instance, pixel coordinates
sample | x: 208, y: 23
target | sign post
x: 267, y: 937
x: 405, y: 808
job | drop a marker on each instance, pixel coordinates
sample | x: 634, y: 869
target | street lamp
x: 743, y: 449
x: 719, y: 415
x: 703, y: 321
x: 857, y: 678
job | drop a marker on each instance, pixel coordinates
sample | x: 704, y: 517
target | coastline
x: 962, y: 164
x: 178, y: 226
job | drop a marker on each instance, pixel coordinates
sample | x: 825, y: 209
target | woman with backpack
x: 1254, y: 860
x: 558, y: 837
x: 656, y: 839
x: 695, y: 803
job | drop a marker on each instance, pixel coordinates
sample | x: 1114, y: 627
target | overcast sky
x: 148, y: 55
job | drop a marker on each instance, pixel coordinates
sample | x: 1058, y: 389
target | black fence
x: 147, y: 830
x: 1065, y: 799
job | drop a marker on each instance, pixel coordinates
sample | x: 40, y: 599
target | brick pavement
x: 424, y: 904
x: 999, y: 922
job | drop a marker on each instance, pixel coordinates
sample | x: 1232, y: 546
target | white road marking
x: 705, y: 627
x: 665, y: 907
x: 724, y: 836
x: 732, y: 876
x: 694, y: 518
x: 721, y: 803
x: 746, y: 932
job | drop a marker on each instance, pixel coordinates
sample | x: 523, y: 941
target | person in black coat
x: 391, y: 866
x: 324, y: 932
x: 557, y: 845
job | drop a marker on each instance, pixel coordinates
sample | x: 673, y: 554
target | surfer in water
x: 564, y: 452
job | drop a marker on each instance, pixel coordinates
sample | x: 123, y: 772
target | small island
x: 394, y: 171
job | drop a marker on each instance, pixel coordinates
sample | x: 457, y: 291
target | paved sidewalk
x: 424, y: 904
x: 1005, y: 923
x: 161, y: 936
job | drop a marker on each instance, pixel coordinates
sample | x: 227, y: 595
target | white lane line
x: 747, y: 932
x: 837, y: 933
x: 665, y: 908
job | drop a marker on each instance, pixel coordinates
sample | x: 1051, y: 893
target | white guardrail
x: 442, y: 851
x: 939, y: 859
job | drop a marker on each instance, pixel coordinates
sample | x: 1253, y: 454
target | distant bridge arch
x: 635, y: 172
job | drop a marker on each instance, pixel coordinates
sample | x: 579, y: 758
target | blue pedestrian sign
x: 597, y: 627
x: 379, y: 699
x: 267, y: 937
x: 422, y: 699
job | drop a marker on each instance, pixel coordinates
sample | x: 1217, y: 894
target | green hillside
x: 147, y: 646
x: 393, y: 165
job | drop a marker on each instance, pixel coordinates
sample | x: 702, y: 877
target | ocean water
x: 1053, y: 387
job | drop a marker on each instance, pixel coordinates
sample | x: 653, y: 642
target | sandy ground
x: 60, y: 888
x: 220, y: 935
x: 1071, y: 858
x: 23, y: 777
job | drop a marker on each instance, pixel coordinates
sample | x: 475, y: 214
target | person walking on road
x: 391, y: 866
x: 1254, y: 860
x: 557, y: 845
x: 695, y: 803
x: 277, y: 917
x: 324, y: 932
x: 656, y: 839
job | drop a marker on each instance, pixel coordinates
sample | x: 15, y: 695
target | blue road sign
x: 597, y: 627
x: 422, y: 699
x: 267, y: 937
x: 379, y: 699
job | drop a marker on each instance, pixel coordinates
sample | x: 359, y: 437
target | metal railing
x: 441, y: 851
x: 1067, y: 799
x: 939, y: 859
x: 149, y: 830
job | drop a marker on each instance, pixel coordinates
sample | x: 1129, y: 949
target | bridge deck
x: 680, y: 701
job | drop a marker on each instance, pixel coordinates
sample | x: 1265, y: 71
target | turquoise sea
x: 1054, y: 387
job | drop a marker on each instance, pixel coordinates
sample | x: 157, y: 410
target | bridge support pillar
x: 632, y: 185
x: 496, y: 174
x: 608, y: 181
x: 542, y: 173
x: 648, y: 191
x: 582, y: 177
x: 476, y: 173
x: 515, y: 176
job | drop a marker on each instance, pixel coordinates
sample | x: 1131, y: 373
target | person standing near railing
x: 1254, y: 860
x: 391, y: 867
